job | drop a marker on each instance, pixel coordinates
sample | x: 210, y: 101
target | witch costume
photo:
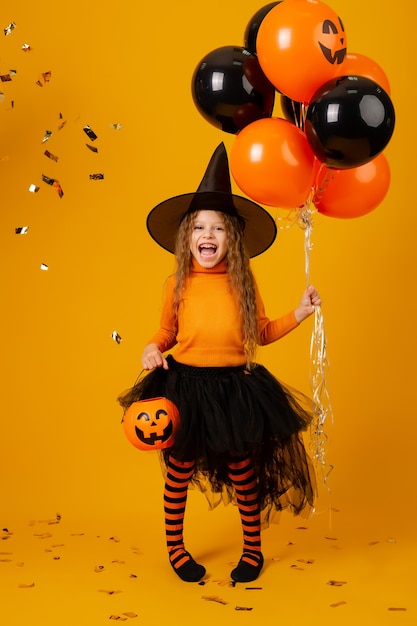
x: 227, y: 410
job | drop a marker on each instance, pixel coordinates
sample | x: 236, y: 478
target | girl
x: 239, y: 440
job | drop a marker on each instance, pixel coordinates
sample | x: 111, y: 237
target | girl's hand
x: 310, y: 299
x: 152, y: 357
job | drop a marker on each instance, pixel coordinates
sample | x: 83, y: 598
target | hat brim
x: 164, y: 220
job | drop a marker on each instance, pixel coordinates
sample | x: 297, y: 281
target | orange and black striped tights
x: 243, y: 479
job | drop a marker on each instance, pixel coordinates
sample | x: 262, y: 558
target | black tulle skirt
x: 232, y: 412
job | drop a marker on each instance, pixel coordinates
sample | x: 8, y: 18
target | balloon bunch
x: 325, y: 152
x: 338, y: 116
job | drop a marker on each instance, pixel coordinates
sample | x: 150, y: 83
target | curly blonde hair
x: 240, y: 275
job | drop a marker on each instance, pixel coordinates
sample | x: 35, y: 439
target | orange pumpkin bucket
x: 151, y: 424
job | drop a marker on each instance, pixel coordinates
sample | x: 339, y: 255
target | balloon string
x: 305, y: 222
x: 322, y: 408
x: 302, y: 112
x: 324, y: 184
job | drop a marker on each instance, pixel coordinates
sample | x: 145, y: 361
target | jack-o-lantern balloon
x: 301, y: 45
x: 151, y: 424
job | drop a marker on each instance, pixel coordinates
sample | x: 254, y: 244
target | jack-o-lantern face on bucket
x: 151, y: 424
x: 332, y: 41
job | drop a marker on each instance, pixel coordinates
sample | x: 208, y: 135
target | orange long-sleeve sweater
x: 209, y: 331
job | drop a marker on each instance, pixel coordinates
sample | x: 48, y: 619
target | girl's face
x: 208, y: 241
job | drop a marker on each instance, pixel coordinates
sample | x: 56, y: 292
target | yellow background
x: 62, y: 449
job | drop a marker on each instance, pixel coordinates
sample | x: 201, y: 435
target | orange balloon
x: 352, y: 192
x: 360, y: 65
x: 272, y: 163
x: 300, y: 45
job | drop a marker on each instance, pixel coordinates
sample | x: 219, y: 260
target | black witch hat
x: 214, y: 193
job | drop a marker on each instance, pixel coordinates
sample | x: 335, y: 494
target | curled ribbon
x: 322, y: 408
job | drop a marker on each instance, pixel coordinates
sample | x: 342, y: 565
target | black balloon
x: 349, y: 121
x: 230, y: 89
x: 252, y: 28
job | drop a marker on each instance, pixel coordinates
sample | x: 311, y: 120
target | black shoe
x: 244, y: 572
x: 190, y: 571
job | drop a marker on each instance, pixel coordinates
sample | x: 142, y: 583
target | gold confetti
x: 47, y: 180
x: 336, y: 604
x: 90, y: 133
x: 96, y: 176
x: 243, y: 608
x: 116, y: 126
x: 26, y: 47
x: 92, y: 148
x: 332, y: 538
x: 5, y: 78
x: 47, y: 135
x: 306, y: 561
x: 58, y: 188
x: 34, y: 188
x: 44, y: 267
x: 118, y: 617
x: 130, y: 614
x: 225, y: 582
x: 253, y: 588
x: 397, y: 608
x: 22, y: 230
x: 51, y: 156
x: 54, y: 183
x: 44, y: 79
x: 99, y: 568
x: 214, y: 599
x: 336, y: 583
x: 373, y: 543
x: 110, y: 592
x: 10, y: 28
x: 25, y: 586
x: 391, y: 540
x: 117, y: 338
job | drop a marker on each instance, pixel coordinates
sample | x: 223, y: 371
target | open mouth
x: 207, y: 250
x: 154, y: 436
